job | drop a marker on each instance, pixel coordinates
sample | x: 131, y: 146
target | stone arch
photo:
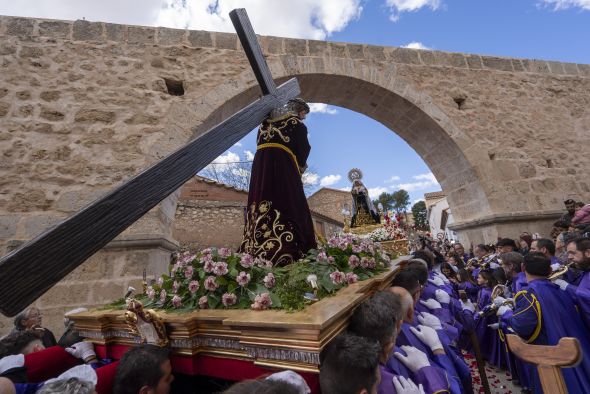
x: 393, y: 102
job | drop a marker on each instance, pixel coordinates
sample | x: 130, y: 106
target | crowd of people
x: 411, y: 338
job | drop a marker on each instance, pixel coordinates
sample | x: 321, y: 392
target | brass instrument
x: 497, y: 291
x: 473, y: 262
x: 560, y: 271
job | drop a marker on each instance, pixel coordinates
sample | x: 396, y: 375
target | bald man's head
x: 407, y: 302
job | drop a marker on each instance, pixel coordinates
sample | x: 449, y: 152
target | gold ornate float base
x: 272, y: 338
x: 396, y: 247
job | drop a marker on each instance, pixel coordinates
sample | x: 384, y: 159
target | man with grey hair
x: 68, y: 386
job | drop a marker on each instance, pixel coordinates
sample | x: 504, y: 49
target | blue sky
x: 536, y: 29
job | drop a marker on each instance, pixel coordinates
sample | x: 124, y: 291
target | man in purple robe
x: 580, y: 255
x: 278, y: 221
x: 543, y: 314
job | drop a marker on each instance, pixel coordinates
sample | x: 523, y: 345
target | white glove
x: 561, y: 283
x: 9, y: 362
x: 431, y: 304
x: 442, y: 296
x: 428, y: 336
x: 499, y: 300
x: 503, y: 309
x: 442, y: 277
x: 415, y: 359
x: 555, y: 266
x: 292, y: 378
x: 406, y: 386
x: 82, y: 350
x: 468, y: 305
x: 494, y: 326
x: 428, y: 319
x: 494, y: 265
x: 437, y: 281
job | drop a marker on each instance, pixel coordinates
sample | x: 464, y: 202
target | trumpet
x: 560, y: 271
x: 497, y: 291
x: 473, y: 262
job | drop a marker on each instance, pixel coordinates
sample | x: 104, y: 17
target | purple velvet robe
x: 492, y: 348
x: 278, y: 225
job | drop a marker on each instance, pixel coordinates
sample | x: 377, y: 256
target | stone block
x: 526, y: 170
x: 450, y: 59
x: 584, y: 69
x: 556, y: 67
x: 517, y: 65
x: 168, y: 36
x: 355, y: 51
x: 225, y: 40
x: 536, y: 66
x: 95, y: 115
x: 51, y: 114
x: 427, y: 57
x: 115, y: 32
x: 199, y: 38
x: 73, y: 201
x: 337, y: 49
x: 100, y: 266
x: 8, y: 224
x: 51, y: 95
x: 4, y: 108
x: 375, y: 52
x: 20, y: 27
x: 30, y: 51
x: 570, y: 68
x: 141, y: 35
x: 318, y: 48
x: 497, y: 63
x: 295, y: 47
x: 54, y: 29
x: 474, y: 62
x: 87, y: 31
x: 67, y: 294
x: 7, y: 49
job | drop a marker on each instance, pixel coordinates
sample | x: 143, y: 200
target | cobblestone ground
x: 500, y: 381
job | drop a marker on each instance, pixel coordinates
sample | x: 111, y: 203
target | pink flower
x: 262, y: 263
x: 203, y: 302
x: 269, y: 280
x: 322, y: 257
x: 353, y: 261
x: 330, y: 259
x: 368, y: 262
x: 209, y: 266
x: 175, y: 286
x: 207, y: 251
x: 337, y: 277
x: 229, y: 299
x: 163, y: 295
x: 193, y: 286
x: 210, y: 283
x: 220, y: 268
x: 343, y: 245
x: 247, y: 260
x: 175, y: 268
x: 351, y: 277
x: 205, y: 258
x: 261, y: 301
x: 333, y: 242
x: 176, y: 301
x: 188, y: 272
x: 243, y: 279
x: 151, y: 293
x: 224, y: 252
x: 357, y: 248
x: 160, y: 281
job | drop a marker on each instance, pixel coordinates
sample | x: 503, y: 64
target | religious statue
x: 278, y: 224
x: 363, y: 210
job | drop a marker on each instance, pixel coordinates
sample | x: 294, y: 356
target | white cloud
x: 417, y: 200
x: 344, y: 189
x: 322, y: 109
x: 559, y: 5
x: 310, y: 178
x: 416, y: 45
x: 223, y: 162
x: 249, y: 155
x: 374, y: 192
x: 304, y: 19
x: 330, y: 180
x: 394, y: 178
x: 238, y: 144
x: 398, y: 6
x: 425, y: 181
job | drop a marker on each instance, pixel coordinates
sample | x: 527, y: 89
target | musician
x: 580, y: 255
x: 542, y: 315
x: 511, y: 263
x: 278, y: 221
x: 547, y: 247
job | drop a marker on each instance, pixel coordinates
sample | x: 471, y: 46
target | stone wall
x: 329, y: 202
x: 84, y: 106
x: 200, y: 224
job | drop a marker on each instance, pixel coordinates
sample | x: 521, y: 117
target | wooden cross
x: 36, y: 266
x: 548, y: 359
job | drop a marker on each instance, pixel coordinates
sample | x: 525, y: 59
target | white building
x: 439, y: 215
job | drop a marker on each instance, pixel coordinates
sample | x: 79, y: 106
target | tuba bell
x: 497, y: 291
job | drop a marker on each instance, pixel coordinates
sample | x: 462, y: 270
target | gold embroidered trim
x: 265, y: 235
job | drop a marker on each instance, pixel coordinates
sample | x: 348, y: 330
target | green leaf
x: 276, y: 302
x: 231, y: 287
x: 213, y: 300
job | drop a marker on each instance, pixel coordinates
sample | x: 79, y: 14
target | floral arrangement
x: 219, y: 278
x: 389, y: 231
